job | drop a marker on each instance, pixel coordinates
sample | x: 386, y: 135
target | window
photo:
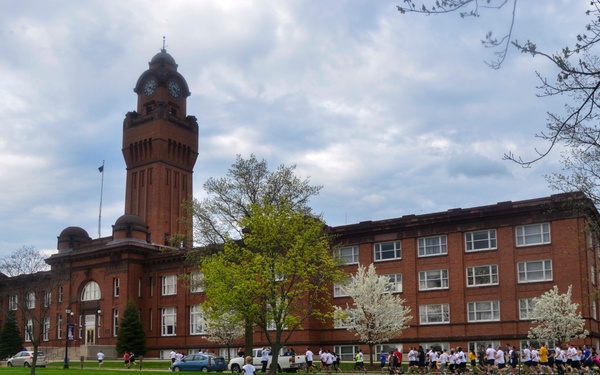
x: 115, y: 322
x: 481, y: 240
x: 139, y: 287
x: 47, y: 298
x: 388, y: 251
x: 60, y: 293
x: 534, y: 234
x: 46, y: 329
x: 482, y: 275
x: 13, y: 302
x: 593, y: 274
x: 395, y: 285
x: 116, y: 286
x: 338, y: 289
x: 150, y: 320
x: 342, y: 318
x: 151, y: 286
x: 29, y: 330
x: 196, y: 320
x: 169, y: 321
x: 594, y: 310
x: 349, y: 254
x: 169, y: 285
x: 346, y: 352
x: 196, y: 282
x: 431, y: 246
x: 434, y: 314
x: 59, y: 326
x: 91, y: 292
x: 433, y: 279
x: 483, y: 311
x: 30, y: 300
x: 526, y: 306
x: 531, y: 272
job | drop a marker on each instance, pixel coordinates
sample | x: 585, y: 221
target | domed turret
x: 130, y: 226
x: 72, y: 237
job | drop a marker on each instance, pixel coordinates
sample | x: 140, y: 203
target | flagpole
x: 101, y: 191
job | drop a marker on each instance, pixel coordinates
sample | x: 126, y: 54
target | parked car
x: 200, y: 362
x: 25, y: 358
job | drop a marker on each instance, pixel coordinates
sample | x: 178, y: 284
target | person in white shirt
x: 527, y: 363
x: 490, y: 357
x: 500, y: 360
x: 248, y: 368
x: 264, y: 358
x: 452, y: 361
x: 413, y: 362
x: 443, y: 359
x: 461, y: 360
x: 309, y: 360
x: 100, y: 356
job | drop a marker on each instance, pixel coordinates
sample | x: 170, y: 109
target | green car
x: 200, y: 362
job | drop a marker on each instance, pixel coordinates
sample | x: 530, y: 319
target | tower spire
x: 164, y: 48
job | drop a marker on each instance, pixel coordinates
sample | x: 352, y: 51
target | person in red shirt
x: 126, y: 357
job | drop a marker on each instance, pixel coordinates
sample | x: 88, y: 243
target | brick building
x: 468, y: 274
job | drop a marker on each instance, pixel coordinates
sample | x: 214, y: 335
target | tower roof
x: 162, y: 59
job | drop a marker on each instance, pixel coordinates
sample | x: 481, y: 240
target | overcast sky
x: 393, y: 114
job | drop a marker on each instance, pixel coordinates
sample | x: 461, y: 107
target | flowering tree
x: 377, y: 315
x: 223, y: 328
x: 556, y: 318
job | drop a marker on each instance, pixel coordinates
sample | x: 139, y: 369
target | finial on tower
x: 164, y: 49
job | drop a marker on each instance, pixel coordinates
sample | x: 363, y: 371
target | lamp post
x: 68, y: 330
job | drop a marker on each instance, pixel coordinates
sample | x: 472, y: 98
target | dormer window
x: 148, y: 109
x: 173, y: 112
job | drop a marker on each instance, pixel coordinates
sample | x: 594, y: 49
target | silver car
x: 25, y: 358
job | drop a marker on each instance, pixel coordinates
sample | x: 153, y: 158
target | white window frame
x: 594, y: 310
x: 425, y: 277
x: 395, y: 283
x: 481, y: 240
x: 346, y: 352
x: 168, y: 321
x: 476, y: 280
x: 526, y: 306
x: 46, y: 329
x: 339, y: 323
x: 115, y: 322
x: 532, y: 234
x: 524, y: 273
x: 434, y: 314
x: 476, y: 309
x: 60, y: 293
x: 381, y: 251
x: 196, y: 280
x: 197, y: 322
x: 432, y: 246
x: 47, y: 298
x: 593, y: 274
x: 90, y: 292
x: 13, y: 302
x: 59, y: 326
x: 338, y: 289
x: 169, y: 285
x: 29, y: 328
x: 348, y: 253
x: 30, y: 300
x: 116, y: 286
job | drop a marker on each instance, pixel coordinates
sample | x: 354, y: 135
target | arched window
x: 91, y: 292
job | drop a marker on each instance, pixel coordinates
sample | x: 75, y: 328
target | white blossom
x: 556, y: 318
x: 376, y: 315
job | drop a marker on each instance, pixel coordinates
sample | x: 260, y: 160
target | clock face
x: 150, y: 87
x: 174, y: 89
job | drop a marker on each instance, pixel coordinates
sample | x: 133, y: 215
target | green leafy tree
x: 11, y: 341
x: 277, y: 276
x: 217, y: 218
x: 131, y: 336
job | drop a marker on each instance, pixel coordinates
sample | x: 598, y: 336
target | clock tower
x: 160, y: 147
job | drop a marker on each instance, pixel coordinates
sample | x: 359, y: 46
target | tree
x: 217, y: 218
x: 32, y: 288
x: 10, y: 337
x: 577, y: 78
x: 131, y: 336
x: 224, y: 328
x: 556, y: 318
x: 277, y: 276
x: 377, y: 315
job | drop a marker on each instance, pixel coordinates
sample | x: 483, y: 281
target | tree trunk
x: 371, y: 354
x: 248, y: 339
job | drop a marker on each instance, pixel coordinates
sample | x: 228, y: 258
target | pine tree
x: 131, y: 336
x: 10, y: 337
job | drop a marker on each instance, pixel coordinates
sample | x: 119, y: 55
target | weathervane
x: 164, y: 49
